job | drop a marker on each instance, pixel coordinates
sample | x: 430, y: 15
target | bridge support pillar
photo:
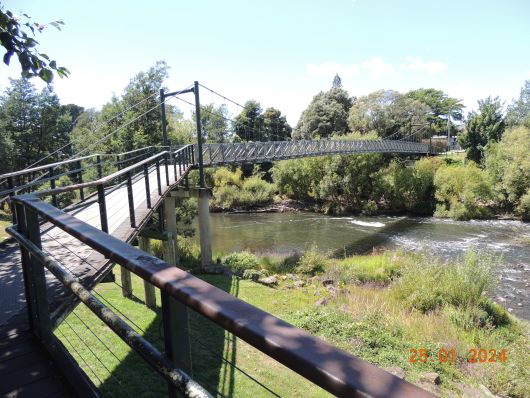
x: 174, y: 313
x: 150, y: 297
x: 205, y: 232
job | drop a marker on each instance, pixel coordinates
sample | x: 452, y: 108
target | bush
x: 429, y: 285
x: 463, y: 192
x: 523, y: 209
x: 256, y: 191
x: 241, y: 261
x: 223, y: 177
x: 299, y: 178
x: 189, y: 253
x: 277, y: 264
x: 312, y: 262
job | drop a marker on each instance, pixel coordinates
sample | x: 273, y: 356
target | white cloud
x: 330, y: 69
x: 378, y: 67
x: 431, y: 67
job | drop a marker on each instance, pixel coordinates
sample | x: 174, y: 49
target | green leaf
x: 46, y: 75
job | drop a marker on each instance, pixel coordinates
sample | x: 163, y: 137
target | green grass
x: 209, y: 344
x: 374, y: 321
x: 5, y: 221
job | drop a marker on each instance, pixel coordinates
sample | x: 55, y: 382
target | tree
x: 248, y: 125
x: 33, y: 125
x: 337, y: 81
x: 441, y: 105
x: 483, y: 126
x: 214, y: 123
x: 326, y: 115
x: 132, y: 121
x: 275, y: 126
x: 17, y: 41
x: 387, y: 112
x: 518, y: 112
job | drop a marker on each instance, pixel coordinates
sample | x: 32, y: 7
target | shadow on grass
x: 209, y: 345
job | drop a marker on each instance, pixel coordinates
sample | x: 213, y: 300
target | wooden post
x: 150, y: 297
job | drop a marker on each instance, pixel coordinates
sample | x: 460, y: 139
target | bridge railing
x: 68, y: 172
x: 181, y: 160
x: 230, y: 153
x: 332, y: 369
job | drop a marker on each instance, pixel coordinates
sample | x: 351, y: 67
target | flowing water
x: 286, y: 233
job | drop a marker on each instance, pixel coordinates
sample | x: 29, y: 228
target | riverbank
x: 386, y: 307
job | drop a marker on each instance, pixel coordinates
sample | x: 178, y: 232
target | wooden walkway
x: 25, y: 368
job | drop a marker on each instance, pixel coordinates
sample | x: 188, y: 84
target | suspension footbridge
x: 66, y: 251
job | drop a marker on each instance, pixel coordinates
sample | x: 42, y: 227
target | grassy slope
x: 367, y: 320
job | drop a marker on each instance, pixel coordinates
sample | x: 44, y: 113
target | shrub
x: 256, y: 191
x: 523, y: 209
x: 429, y: 285
x: 241, y: 261
x: 277, y: 264
x: 463, y: 192
x: 299, y: 178
x: 312, y: 262
x: 223, y: 177
x: 189, y: 253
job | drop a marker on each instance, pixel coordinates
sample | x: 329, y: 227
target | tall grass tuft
x: 429, y: 285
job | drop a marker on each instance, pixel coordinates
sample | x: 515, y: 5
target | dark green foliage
x: 254, y: 125
x: 33, y: 125
x: 483, y: 126
x: 241, y: 261
x: 21, y: 43
x: 312, y: 262
x: 326, y: 115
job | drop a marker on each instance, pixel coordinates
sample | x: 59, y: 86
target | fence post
x: 130, y: 199
x: 99, y: 167
x: 147, y: 188
x: 102, y: 208
x: 80, y: 177
x: 150, y: 297
x: 52, y: 186
x: 34, y: 277
x: 174, y: 314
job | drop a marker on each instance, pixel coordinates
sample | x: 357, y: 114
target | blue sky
x: 282, y: 53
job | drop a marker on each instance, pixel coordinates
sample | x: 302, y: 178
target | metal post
x: 34, y: 277
x: 147, y: 188
x: 130, y: 198
x: 99, y: 167
x: 166, y: 160
x: 150, y: 297
x: 157, y: 164
x: 163, y: 112
x: 52, y: 186
x: 102, y: 208
x: 199, y: 132
x: 81, y: 190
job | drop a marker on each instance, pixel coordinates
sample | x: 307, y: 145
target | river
x: 286, y: 233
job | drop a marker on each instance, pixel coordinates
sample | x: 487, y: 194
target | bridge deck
x: 22, y: 361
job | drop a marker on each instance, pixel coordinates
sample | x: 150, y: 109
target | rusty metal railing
x: 323, y: 364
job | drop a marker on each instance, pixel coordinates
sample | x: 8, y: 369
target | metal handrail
x: 334, y: 370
